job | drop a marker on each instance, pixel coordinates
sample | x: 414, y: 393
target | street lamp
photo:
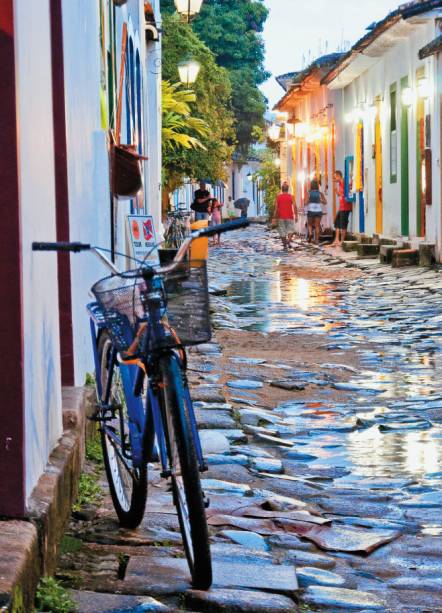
x: 188, y: 71
x: 274, y: 132
x: 188, y: 8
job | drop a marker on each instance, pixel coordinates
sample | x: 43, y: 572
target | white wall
x: 88, y: 170
x: 152, y: 90
x: 37, y: 201
x: 400, y: 61
x: 239, y: 186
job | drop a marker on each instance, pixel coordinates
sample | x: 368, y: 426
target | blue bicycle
x: 140, y: 324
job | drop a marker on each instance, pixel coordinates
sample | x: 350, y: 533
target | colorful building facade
x: 60, y: 67
x: 375, y: 114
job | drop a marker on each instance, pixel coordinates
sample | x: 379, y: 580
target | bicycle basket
x: 120, y: 300
x: 187, y: 320
x: 187, y: 304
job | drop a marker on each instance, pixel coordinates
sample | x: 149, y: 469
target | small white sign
x: 142, y: 238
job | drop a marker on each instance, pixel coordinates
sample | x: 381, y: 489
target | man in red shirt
x: 286, y: 214
x: 345, y: 208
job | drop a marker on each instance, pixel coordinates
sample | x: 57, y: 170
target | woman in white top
x: 314, y: 210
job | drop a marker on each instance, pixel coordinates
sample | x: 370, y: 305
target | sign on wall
x: 142, y: 238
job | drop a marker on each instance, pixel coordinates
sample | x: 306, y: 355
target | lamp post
x: 188, y: 70
x: 188, y: 8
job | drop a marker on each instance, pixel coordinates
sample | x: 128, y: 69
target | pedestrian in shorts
x: 343, y: 214
x: 314, y: 210
x: 286, y: 214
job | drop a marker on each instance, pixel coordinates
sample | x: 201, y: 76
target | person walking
x: 343, y: 214
x: 216, y: 219
x: 286, y: 213
x: 242, y: 204
x: 314, y: 211
x: 201, y: 203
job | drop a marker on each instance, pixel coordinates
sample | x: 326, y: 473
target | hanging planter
x: 125, y: 161
x: 120, y: 2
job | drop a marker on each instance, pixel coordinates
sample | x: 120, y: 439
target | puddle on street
x: 276, y: 300
x: 388, y: 431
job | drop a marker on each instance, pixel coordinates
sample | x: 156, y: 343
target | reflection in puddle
x: 279, y: 300
x: 414, y: 454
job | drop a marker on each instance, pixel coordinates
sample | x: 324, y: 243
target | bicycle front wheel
x: 127, y: 485
x: 186, y: 486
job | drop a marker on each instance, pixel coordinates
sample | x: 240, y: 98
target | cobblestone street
x: 320, y: 407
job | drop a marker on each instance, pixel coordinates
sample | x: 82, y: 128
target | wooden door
x: 378, y: 170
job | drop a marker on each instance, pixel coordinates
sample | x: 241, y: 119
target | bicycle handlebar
x: 205, y: 232
x: 75, y: 247
x: 224, y: 227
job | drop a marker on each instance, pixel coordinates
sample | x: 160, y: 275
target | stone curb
x: 28, y: 548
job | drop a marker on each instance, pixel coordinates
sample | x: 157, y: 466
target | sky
x: 297, y: 30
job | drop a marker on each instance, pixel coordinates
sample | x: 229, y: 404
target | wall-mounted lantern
x: 188, y: 70
x: 273, y: 132
x: 188, y: 9
x: 249, y: 176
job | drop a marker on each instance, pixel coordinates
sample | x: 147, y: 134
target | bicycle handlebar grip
x: 225, y: 227
x: 75, y: 247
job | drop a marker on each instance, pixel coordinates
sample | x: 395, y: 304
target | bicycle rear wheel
x: 128, y: 485
x: 186, y: 486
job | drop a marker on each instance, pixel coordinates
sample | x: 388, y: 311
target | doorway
x: 378, y: 169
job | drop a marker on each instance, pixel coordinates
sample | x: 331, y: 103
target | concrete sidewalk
x: 28, y: 548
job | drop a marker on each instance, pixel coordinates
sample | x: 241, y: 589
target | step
x: 367, y: 250
x: 427, y: 256
x: 405, y: 257
x: 387, y: 241
x: 350, y: 245
x: 386, y: 253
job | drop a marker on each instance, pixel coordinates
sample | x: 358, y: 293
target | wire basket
x: 186, y: 301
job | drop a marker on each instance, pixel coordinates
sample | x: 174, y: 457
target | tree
x: 232, y: 31
x: 212, y: 105
x: 177, y: 121
x: 270, y: 180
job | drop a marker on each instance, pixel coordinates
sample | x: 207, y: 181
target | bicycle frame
x: 144, y: 421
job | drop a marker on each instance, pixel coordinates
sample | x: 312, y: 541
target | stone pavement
x: 320, y: 405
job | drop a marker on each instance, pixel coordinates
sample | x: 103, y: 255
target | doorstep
x: 28, y: 548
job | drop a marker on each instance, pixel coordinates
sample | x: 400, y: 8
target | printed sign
x: 142, y: 237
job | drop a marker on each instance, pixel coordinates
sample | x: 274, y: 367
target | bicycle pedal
x: 206, y: 501
x: 204, y: 467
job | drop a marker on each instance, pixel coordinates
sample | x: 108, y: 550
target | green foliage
x: 90, y: 379
x: 89, y: 492
x: 270, y: 181
x: 70, y: 544
x: 211, y: 107
x: 94, y: 453
x: 52, y: 597
x: 232, y: 29
x: 177, y: 121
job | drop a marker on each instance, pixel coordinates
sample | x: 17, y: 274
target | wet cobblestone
x: 338, y: 473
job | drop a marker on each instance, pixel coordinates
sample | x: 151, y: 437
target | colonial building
x: 70, y: 72
x: 310, y: 141
x: 375, y: 114
x: 391, y: 95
